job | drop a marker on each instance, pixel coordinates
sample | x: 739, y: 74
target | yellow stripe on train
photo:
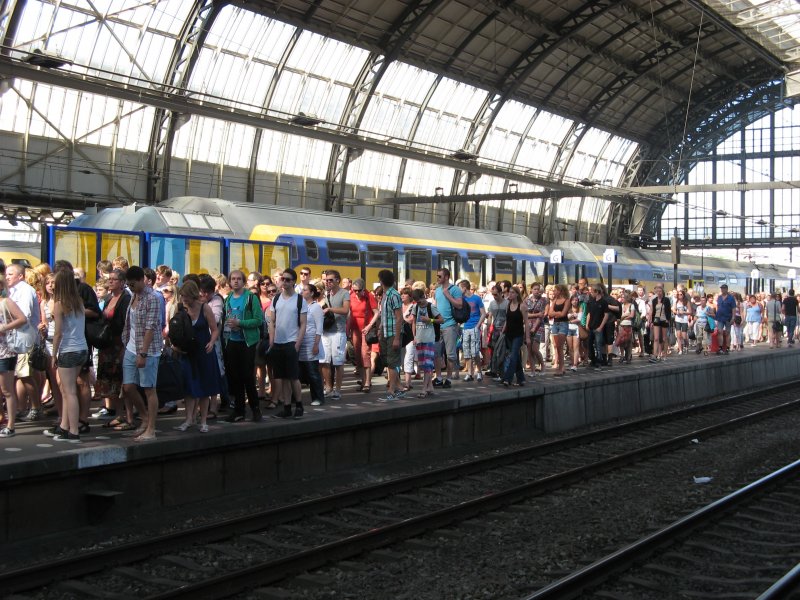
x: 270, y: 233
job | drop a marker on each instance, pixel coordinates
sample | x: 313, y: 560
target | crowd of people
x: 142, y: 340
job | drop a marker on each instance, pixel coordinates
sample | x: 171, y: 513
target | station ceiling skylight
x: 775, y: 24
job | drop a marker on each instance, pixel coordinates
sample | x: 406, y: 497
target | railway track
x: 224, y: 558
x: 745, y: 545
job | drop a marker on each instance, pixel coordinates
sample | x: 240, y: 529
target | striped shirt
x: 390, y: 302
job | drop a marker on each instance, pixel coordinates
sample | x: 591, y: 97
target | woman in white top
x: 682, y: 313
x: 311, y: 350
x: 11, y: 317
x: 71, y: 352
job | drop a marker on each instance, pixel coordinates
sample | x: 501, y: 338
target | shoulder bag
x: 98, y: 333
x: 22, y: 339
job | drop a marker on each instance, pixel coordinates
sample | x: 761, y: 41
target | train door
x: 449, y: 261
x: 375, y: 259
x: 418, y: 265
x: 475, y: 269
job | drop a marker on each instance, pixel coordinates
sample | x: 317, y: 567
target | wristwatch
x: 143, y: 354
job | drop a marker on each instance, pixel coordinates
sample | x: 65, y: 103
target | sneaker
x: 298, y: 411
x: 497, y: 379
x: 574, y: 369
x: 468, y: 378
x: 479, y: 377
x: 447, y: 383
x: 388, y: 398
x: 183, y: 426
x: 328, y: 393
x: 234, y: 418
x: 5, y: 432
x: 316, y: 403
x: 336, y: 395
x: 652, y: 359
x: 437, y: 382
x: 104, y: 412
x: 54, y: 431
x: 34, y: 414
x: 203, y: 429
x: 257, y: 416
x: 67, y: 437
x: 399, y: 394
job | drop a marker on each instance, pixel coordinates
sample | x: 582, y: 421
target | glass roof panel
x: 457, y: 98
x: 422, y: 179
x: 374, y: 170
x: 284, y: 153
x: 123, y: 40
x: 405, y: 82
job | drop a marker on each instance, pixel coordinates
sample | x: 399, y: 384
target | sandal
x: 272, y: 404
x: 125, y: 427
x: 422, y: 395
x: 365, y: 389
x: 408, y: 388
x: 114, y: 423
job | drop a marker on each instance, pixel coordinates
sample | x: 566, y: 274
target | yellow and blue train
x: 210, y: 235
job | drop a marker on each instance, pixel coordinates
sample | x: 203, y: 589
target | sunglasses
x: 272, y: 290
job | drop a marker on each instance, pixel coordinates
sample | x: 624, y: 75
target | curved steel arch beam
x: 364, y: 88
x: 516, y: 75
x: 705, y: 134
x: 184, y: 56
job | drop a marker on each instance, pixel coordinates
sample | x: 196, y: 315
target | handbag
x: 22, y: 339
x: 583, y: 333
x: 38, y: 358
x: 169, y: 381
x: 98, y: 333
x: 372, y: 334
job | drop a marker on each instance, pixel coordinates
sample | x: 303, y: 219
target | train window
x: 174, y: 219
x: 733, y: 280
x: 295, y: 254
x: 216, y: 222
x: 658, y: 276
x: 710, y: 279
x: 274, y: 257
x: 203, y: 256
x: 312, y: 250
x: 504, y: 264
x: 79, y: 248
x: 120, y: 244
x: 196, y: 221
x: 417, y: 261
x: 380, y: 256
x: 341, y: 252
x: 243, y: 256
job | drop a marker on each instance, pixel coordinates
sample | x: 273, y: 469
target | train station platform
x: 109, y: 474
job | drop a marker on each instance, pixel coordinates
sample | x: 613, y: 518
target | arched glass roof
x: 246, y: 78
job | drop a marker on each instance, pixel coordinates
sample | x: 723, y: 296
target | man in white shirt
x: 25, y: 297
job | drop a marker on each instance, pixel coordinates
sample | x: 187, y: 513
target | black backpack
x: 460, y: 315
x: 181, y: 332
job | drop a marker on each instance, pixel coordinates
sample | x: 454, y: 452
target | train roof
x: 215, y: 217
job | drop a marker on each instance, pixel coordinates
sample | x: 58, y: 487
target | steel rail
x: 599, y: 570
x: 784, y: 587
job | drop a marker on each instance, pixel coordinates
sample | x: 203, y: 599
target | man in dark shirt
x: 596, y: 323
x: 789, y: 310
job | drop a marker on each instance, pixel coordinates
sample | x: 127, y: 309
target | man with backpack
x: 241, y: 331
x: 448, y: 296
x: 287, y: 317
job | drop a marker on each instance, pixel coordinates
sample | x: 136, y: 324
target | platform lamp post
x: 702, y: 290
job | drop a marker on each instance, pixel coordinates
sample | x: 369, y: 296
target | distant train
x: 208, y: 235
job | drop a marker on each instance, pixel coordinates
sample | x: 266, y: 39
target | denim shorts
x: 132, y: 375
x: 572, y: 332
x: 559, y: 328
x: 70, y: 360
x: 8, y: 364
